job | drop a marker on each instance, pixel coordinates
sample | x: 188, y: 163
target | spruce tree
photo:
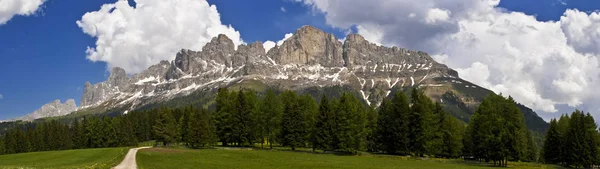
x: 552, y: 144
x: 166, y: 128
x: 292, y: 123
x: 592, y: 141
x: 242, y: 125
x: 272, y: 110
x: 325, y: 126
x: 531, y: 154
x: 309, y: 109
x: 392, y: 125
x: 452, y: 131
x: 224, y: 115
x: 416, y: 119
x: 371, y: 128
x: 350, y: 124
x: 563, y: 128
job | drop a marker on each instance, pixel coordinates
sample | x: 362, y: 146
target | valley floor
x: 159, y: 158
x: 83, y: 158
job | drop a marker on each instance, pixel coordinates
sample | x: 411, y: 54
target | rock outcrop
x: 309, y: 58
x: 53, y: 109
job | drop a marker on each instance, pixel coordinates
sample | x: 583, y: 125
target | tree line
x: 343, y: 124
x: 572, y: 141
x: 90, y: 132
x: 402, y: 124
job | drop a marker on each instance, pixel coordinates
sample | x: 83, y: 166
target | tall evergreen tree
x: 531, y: 154
x: 183, y: 123
x: 452, y: 131
x: 497, y: 131
x: 309, y: 109
x: 166, y: 128
x: 417, y: 117
x: 552, y: 144
x: 392, y: 125
x: 272, y: 110
x: 325, y: 126
x: 224, y: 114
x: 563, y: 128
x: 242, y: 120
x: 201, y: 130
x: 371, y: 128
x: 350, y: 124
x: 292, y: 123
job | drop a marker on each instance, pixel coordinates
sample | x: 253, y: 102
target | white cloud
x: 1, y: 96
x: 437, y: 15
x: 10, y: 8
x: 283, y: 9
x: 135, y: 38
x: 541, y: 64
x: 582, y: 30
x: 270, y: 44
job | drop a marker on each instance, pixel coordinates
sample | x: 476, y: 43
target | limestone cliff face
x: 52, y: 109
x: 309, y: 58
x: 309, y: 46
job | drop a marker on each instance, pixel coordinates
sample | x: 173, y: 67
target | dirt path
x: 129, y: 161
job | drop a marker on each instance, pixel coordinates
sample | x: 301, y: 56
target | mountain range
x: 310, y: 61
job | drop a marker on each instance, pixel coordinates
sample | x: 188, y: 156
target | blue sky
x: 44, y: 54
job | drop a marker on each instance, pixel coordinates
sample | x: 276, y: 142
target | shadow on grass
x: 510, y: 164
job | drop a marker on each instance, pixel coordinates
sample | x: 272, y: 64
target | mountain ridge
x: 308, y: 60
x: 310, y: 55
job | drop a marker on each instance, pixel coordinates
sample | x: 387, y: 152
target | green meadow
x: 82, y: 158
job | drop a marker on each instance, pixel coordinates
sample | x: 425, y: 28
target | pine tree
x: 592, y: 141
x: 201, y: 130
x: 371, y: 128
x: 531, y: 154
x: 309, y: 109
x: 242, y: 125
x: 79, y: 139
x: 183, y: 123
x: 325, y: 126
x: 392, y: 125
x: 563, y: 129
x: 193, y: 134
x: 417, y: 116
x: 552, y: 144
x: 292, y: 123
x: 2, y: 146
x: 497, y: 131
x: 166, y: 128
x: 388, y: 128
x: 224, y: 115
x: 272, y: 110
x: 452, y: 131
x: 433, y: 121
x: 350, y: 124
x: 208, y: 129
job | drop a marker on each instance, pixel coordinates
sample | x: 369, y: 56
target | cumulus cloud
x: 582, y: 30
x: 135, y: 38
x: 541, y: 64
x: 270, y: 44
x: 10, y: 8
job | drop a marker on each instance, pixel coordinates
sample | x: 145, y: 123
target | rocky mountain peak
x: 118, y: 77
x: 219, y: 49
x: 52, y: 109
x: 309, y: 58
x: 309, y: 46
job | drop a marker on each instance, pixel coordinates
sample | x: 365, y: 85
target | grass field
x: 84, y: 158
x: 159, y: 158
